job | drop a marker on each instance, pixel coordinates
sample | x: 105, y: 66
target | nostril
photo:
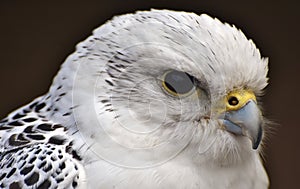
x: 233, y: 101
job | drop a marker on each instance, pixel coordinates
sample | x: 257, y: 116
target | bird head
x: 154, y: 85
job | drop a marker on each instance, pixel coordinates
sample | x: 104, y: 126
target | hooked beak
x: 243, y: 117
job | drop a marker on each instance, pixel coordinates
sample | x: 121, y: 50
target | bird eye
x: 178, y: 83
x: 233, y: 101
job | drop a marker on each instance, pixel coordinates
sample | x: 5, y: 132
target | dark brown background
x: 36, y: 37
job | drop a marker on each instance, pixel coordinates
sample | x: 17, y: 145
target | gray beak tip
x: 246, y: 121
x: 256, y: 142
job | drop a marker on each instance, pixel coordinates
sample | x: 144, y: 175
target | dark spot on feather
x: 73, y: 107
x: 45, y: 127
x: 109, y: 82
x: 62, y: 165
x: 33, y: 105
x: 46, y: 184
x: 114, y: 68
x: 56, y: 140
x: 14, y: 142
x: 74, y: 184
x: 15, y: 123
x: 42, y: 164
x: 2, y: 176
x: 66, y: 114
x: 57, y: 126
x: 43, y: 157
x: 75, y: 155
x: 26, y: 170
x: 18, y: 116
x: 40, y: 106
x: 48, y: 168
x: 211, y: 68
x: 32, y: 179
x: 120, y: 66
x: 29, y: 129
x: 58, y: 180
x: 4, y: 120
x: 15, y: 185
x: 4, y: 128
x: 109, y: 110
x: 25, y: 111
x: 11, y: 172
x: 21, y: 137
x: 120, y: 53
x: 104, y: 101
x: 32, y: 159
x: 36, y: 137
x: 38, y: 151
x: 31, y: 119
x: 70, y: 150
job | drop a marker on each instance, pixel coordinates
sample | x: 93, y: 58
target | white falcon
x: 154, y: 99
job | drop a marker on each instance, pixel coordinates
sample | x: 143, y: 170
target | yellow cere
x: 236, y: 99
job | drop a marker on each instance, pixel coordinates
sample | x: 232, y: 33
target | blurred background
x: 36, y: 37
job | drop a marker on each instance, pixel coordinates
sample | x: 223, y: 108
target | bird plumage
x: 108, y: 121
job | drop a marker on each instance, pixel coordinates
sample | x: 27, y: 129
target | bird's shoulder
x: 35, y: 151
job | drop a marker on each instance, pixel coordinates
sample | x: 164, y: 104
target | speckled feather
x: 36, y: 152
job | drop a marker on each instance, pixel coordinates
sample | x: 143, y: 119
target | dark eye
x: 178, y: 83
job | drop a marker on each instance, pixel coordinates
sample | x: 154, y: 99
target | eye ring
x: 178, y: 83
